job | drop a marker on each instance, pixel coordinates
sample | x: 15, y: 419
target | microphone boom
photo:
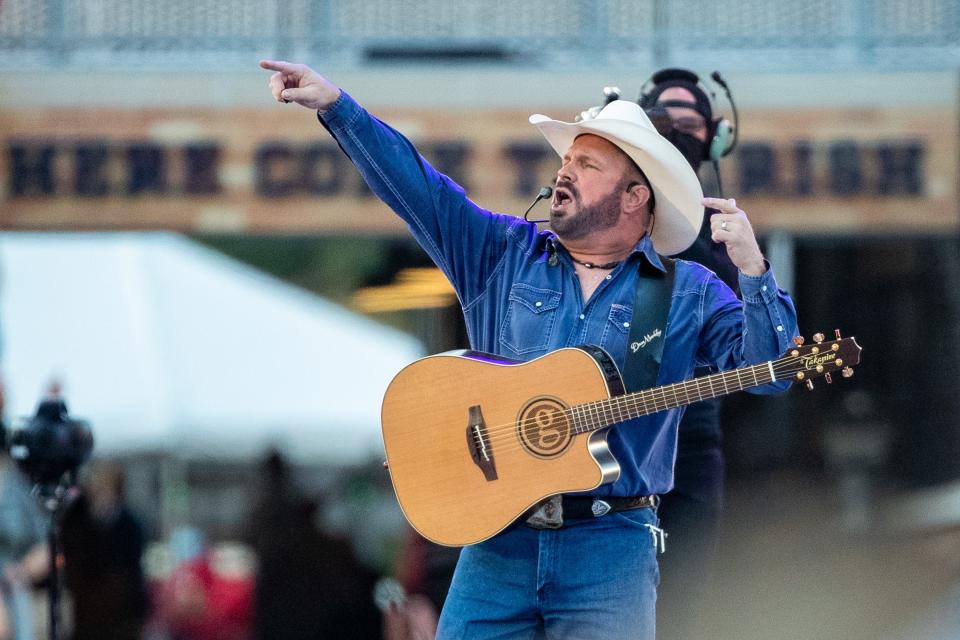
x: 545, y: 192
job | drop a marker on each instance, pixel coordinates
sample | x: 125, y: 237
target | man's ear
x: 636, y: 197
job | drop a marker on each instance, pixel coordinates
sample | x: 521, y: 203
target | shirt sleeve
x: 759, y: 329
x: 464, y: 240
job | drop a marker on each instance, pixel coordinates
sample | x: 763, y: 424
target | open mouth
x: 561, y: 197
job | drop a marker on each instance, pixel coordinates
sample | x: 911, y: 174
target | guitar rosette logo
x: 544, y: 427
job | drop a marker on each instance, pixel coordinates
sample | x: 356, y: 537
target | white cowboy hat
x: 678, y: 210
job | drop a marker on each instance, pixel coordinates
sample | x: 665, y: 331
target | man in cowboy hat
x: 581, y: 566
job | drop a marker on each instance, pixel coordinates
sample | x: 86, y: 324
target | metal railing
x: 745, y: 34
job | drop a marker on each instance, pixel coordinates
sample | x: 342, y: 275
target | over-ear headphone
x: 721, y: 134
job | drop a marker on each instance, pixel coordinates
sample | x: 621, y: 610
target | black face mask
x: 688, y: 145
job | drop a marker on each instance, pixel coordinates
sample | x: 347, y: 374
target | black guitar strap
x: 648, y: 326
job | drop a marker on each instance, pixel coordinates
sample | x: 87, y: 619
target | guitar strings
x: 503, y: 435
x: 634, y: 399
x: 604, y: 408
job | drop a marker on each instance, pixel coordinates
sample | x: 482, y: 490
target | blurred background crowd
x: 204, y: 278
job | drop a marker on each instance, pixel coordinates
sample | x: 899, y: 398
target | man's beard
x: 585, y: 220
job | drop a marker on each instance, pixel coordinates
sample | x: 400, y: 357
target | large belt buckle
x: 548, y: 514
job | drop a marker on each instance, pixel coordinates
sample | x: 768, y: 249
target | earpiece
x: 721, y: 142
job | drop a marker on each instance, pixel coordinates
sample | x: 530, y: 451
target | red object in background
x: 197, y: 603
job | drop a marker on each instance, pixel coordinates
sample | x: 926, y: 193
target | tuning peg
x: 809, y: 385
x: 818, y: 338
x: 798, y: 340
x: 836, y: 332
x: 827, y: 377
x: 846, y: 372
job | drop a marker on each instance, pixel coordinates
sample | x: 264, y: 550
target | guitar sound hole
x: 544, y: 427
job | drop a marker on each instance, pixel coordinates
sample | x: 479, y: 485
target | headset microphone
x: 715, y: 76
x: 545, y: 192
x: 723, y: 132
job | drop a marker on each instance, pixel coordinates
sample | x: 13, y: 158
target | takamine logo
x: 813, y: 360
x: 647, y: 339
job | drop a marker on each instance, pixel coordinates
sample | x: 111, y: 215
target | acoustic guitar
x: 474, y: 441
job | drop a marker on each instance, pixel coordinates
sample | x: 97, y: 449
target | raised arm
x: 464, y: 240
x: 759, y: 329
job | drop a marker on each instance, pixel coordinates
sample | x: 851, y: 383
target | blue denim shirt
x: 519, y: 303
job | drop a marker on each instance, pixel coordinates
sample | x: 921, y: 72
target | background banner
x: 276, y: 171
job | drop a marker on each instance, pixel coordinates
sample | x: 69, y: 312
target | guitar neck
x: 591, y: 416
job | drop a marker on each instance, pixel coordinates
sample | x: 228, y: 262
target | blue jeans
x: 592, y: 578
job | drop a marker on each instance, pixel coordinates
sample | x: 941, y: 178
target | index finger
x: 722, y: 204
x: 277, y: 65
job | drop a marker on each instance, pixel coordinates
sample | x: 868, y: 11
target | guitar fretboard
x: 591, y: 416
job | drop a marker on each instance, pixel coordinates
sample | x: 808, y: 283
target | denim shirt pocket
x: 616, y: 331
x: 529, y: 321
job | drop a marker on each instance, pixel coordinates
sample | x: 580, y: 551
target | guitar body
x: 473, y: 441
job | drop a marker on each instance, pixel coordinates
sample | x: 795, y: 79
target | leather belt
x: 551, y: 513
x: 593, y: 507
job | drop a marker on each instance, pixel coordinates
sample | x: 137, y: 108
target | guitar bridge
x: 478, y: 443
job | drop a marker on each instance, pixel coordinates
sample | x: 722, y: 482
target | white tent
x: 166, y: 345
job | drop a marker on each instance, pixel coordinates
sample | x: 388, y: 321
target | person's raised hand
x: 299, y: 83
x: 731, y: 227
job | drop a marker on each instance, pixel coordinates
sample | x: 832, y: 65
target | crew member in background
x: 690, y: 511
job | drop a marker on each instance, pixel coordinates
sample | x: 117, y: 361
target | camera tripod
x: 53, y: 498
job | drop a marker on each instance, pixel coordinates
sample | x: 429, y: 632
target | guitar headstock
x: 805, y: 362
